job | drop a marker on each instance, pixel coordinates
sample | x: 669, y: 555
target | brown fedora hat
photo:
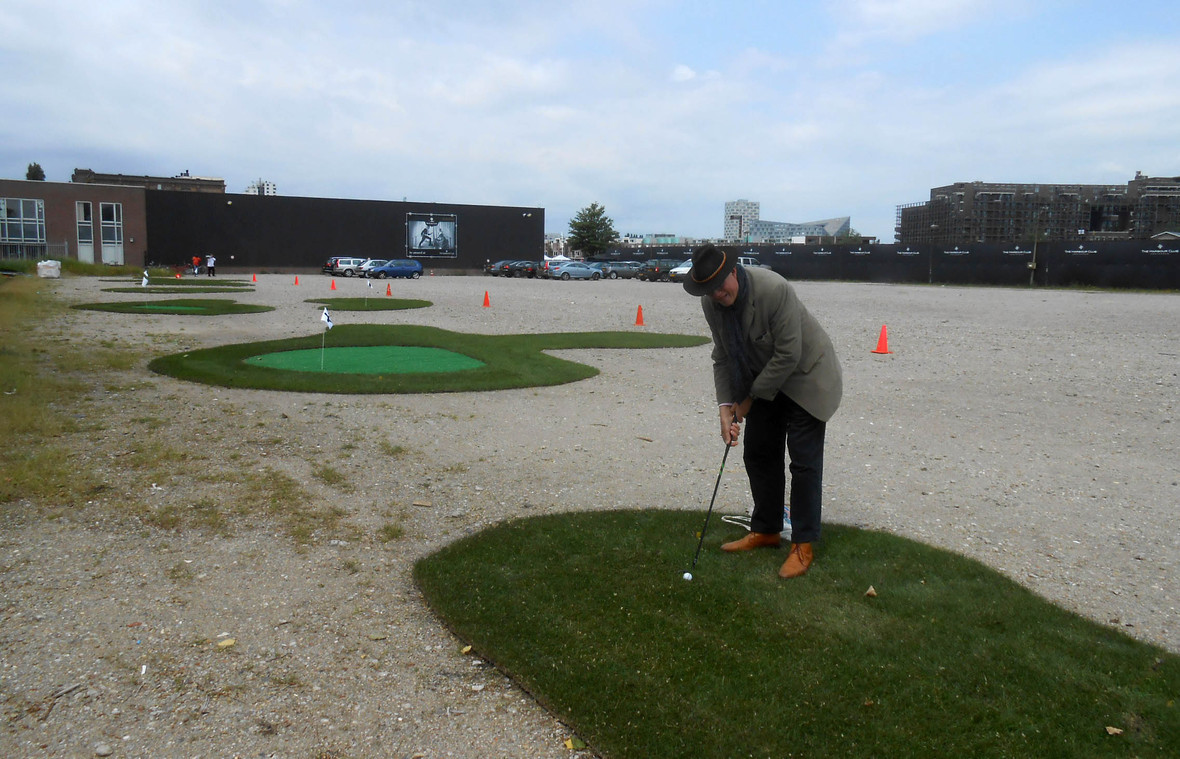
x: 710, y: 266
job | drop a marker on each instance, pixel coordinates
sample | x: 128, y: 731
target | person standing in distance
x: 775, y: 369
x: 211, y: 265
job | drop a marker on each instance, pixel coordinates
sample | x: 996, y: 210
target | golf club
x: 717, y: 484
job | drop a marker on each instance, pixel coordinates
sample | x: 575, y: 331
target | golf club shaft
x: 712, y: 500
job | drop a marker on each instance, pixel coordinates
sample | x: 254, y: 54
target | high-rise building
x: 261, y: 187
x: 740, y: 216
x: 982, y: 212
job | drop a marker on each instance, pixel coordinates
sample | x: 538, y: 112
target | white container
x: 49, y: 269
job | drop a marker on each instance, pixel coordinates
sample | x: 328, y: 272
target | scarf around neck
x: 741, y: 374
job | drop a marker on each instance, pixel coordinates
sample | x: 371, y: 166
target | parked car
x: 348, y: 267
x: 656, y: 269
x: 621, y: 269
x: 547, y: 266
x: 398, y: 267
x: 599, y: 265
x: 329, y: 265
x: 522, y: 269
x: 574, y: 270
x: 751, y: 263
x: 371, y: 264
x: 500, y: 268
x: 678, y: 273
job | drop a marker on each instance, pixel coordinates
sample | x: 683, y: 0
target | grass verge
x: 53, y: 411
x: 590, y: 614
x: 184, y: 306
x: 38, y: 389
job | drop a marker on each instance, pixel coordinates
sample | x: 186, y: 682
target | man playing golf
x: 774, y: 368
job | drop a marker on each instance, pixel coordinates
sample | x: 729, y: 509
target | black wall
x: 259, y: 232
x: 1142, y: 264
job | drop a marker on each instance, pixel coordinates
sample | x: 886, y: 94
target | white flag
x: 370, y: 283
x: 326, y: 318
x: 144, y: 283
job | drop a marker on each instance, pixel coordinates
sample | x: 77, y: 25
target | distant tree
x: 35, y: 172
x: 592, y: 231
x: 852, y: 237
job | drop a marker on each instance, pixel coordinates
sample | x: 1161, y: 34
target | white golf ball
x: 688, y: 575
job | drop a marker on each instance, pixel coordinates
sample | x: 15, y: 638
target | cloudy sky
x: 659, y: 110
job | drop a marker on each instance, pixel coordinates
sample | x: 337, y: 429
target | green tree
x: 592, y: 231
x: 35, y: 172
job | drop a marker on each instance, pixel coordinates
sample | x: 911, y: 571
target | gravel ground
x: 1032, y: 430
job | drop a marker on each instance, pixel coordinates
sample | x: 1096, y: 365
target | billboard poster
x: 432, y: 235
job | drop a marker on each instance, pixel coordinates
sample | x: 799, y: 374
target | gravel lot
x: 1033, y: 430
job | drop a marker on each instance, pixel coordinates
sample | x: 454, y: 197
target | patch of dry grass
x: 57, y: 401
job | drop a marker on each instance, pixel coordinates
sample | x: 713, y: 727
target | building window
x: 85, y: 222
x: 112, y: 223
x: 22, y: 228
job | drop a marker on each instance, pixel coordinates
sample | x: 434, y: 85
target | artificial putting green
x: 372, y: 303
x: 505, y: 361
x: 158, y: 285
x: 193, y: 306
x: 944, y: 658
x: 375, y: 359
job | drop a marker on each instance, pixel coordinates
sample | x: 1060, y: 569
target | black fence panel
x: 982, y: 265
x: 1141, y: 264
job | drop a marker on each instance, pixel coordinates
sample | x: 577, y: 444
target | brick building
x: 982, y: 212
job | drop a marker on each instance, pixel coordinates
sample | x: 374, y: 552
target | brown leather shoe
x: 798, y: 562
x: 753, y: 540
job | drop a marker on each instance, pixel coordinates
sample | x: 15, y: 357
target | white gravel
x: 1033, y: 430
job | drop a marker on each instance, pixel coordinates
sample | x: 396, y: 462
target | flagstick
x: 327, y: 320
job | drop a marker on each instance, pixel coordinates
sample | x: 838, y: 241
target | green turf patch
x: 381, y: 359
x: 589, y: 613
x: 197, y: 282
x: 153, y: 290
x: 194, y: 306
x: 507, y: 360
x: 372, y: 303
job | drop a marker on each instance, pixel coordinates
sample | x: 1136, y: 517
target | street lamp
x: 930, y: 256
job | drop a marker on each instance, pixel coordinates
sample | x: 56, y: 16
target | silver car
x: 575, y: 270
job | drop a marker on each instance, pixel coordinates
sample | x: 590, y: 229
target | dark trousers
x: 775, y: 429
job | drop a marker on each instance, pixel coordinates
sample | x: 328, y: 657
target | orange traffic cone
x: 389, y: 290
x: 254, y: 277
x: 882, y: 342
x: 296, y: 280
x: 333, y: 284
x: 487, y: 302
x: 639, y: 317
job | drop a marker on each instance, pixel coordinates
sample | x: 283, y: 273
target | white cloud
x: 906, y: 20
